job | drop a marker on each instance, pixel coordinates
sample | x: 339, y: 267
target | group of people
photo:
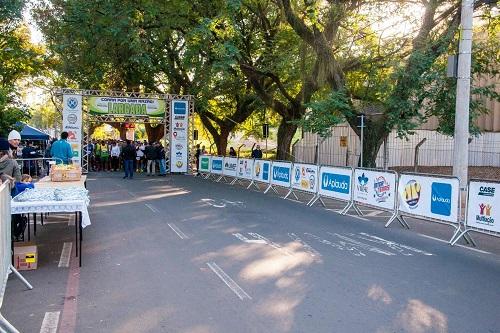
x: 115, y: 155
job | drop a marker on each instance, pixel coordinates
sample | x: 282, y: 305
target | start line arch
x: 82, y: 107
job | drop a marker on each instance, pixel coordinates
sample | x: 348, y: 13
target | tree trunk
x: 221, y: 141
x: 375, y: 133
x: 155, y: 133
x: 286, y: 131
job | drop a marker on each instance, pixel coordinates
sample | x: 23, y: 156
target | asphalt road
x: 183, y: 254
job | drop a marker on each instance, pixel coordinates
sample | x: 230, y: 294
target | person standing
x: 61, y: 150
x: 115, y: 156
x: 232, y: 152
x: 128, y: 155
x: 160, y: 150
x: 14, y: 139
x: 256, y: 153
x: 104, y: 156
x: 150, y: 153
x: 197, y: 157
x: 8, y: 166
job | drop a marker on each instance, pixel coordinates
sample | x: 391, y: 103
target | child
x: 26, y: 182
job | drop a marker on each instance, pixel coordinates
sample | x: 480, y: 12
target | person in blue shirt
x: 25, y: 183
x: 61, y: 150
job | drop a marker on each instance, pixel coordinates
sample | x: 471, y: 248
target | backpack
x: 18, y: 224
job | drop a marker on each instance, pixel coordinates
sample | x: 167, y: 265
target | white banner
x: 72, y: 123
x: 179, y: 120
x: 335, y: 183
x: 375, y: 188
x: 281, y: 174
x: 230, y: 164
x: 483, y: 209
x: 204, y: 163
x: 245, y: 168
x: 217, y: 165
x: 262, y: 171
x: 305, y: 177
x: 427, y: 196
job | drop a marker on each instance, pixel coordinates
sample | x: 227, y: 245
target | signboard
x: 305, y: 177
x: 343, y: 141
x: 179, y: 120
x: 483, y: 209
x: 431, y: 197
x: 335, y: 183
x: 261, y: 171
x: 281, y: 174
x: 245, y: 168
x: 375, y: 188
x: 72, y: 123
x: 124, y: 106
x: 204, y: 163
x: 230, y: 164
x: 217, y: 164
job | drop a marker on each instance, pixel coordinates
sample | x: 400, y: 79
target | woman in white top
x: 115, y: 156
x: 140, y: 157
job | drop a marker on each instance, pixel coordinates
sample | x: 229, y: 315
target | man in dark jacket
x: 128, y: 155
x: 256, y: 153
x: 151, y: 156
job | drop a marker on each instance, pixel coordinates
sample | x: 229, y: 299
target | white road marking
x: 309, y: 249
x: 246, y: 240
x: 178, y: 231
x: 363, y: 245
x: 459, y: 245
x: 342, y: 246
x: 65, y: 254
x: 373, y: 213
x: 392, y: 245
x: 131, y: 194
x: 228, y: 281
x: 153, y: 209
x: 50, y: 322
x: 271, y: 243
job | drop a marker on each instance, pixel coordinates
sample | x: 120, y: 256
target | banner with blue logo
x: 217, y: 165
x: 483, y: 208
x: 375, y: 188
x: 427, y: 196
x: 229, y: 168
x: 335, y: 183
x: 281, y: 174
x: 261, y: 171
x: 179, y: 140
x: 305, y: 177
x: 245, y: 168
x: 72, y: 123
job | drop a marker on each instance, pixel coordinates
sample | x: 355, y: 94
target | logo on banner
x: 178, y: 155
x: 487, y: 191
x: 72, y: 103
x: 335, y: 183
x: 204, y: 163
x: 382, y: 189
x: 297, y: 174
x: 244, y: 169
x: 412, y: 193
x: 178, y: 146
x: 281, y: 174
x: 217, y: 165
x: 72, y: 118
x: 363, y: 183
x: 441, y: 199
x: 230, y: 166
x: 484, y: 216
x: 265, y: 171
x: 178, y: 164
x: 179, y: 108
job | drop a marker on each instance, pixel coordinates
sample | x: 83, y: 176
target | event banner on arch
x: 483, y: 209
x: 124, y: 106
x: 375, y: 188
x: 427, y: 196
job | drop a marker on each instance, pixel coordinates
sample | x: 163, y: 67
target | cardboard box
x: 25, y: 256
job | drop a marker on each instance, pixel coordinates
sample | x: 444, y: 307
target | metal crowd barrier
x: 434, y: 198
x: 36, y: 167
x: 6, y: 266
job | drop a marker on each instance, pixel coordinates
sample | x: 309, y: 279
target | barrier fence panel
x: 483, y: 215
x: 281, y: 173
x: 435, y: 198
x: 334, y: 183
x: 216, y: 167
x: 261, y: 172
x: 305, y: 179
x: 375, y: 188
x: 5, y: 252
x: 205, y: 165
x: 229, y: 168
x: 244, y: 170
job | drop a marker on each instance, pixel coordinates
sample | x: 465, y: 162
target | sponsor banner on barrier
x: 305, y: 177
x: 335, y: 183
x: 217, y: 165
x: 179, y: 118
x: 281, y: 174
x: 262, y: 171
x: 245, y: 168
x: 72, y: 123
x: 427, y: 196
x: 230, y: 164
x: 375, y: 188
x: 483, y: 209
x: 204, y: 163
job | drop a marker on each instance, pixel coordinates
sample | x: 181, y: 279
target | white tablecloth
x: 52, y: 207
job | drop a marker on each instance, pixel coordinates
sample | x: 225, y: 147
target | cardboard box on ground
x: 25, y: 256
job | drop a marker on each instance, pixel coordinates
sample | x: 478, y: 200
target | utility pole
x: 461, y: 147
